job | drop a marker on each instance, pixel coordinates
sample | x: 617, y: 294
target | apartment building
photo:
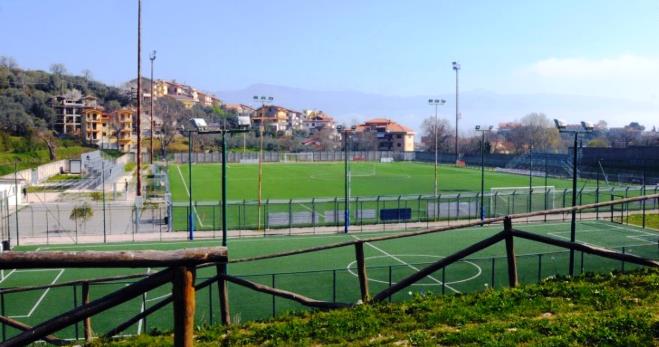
x: 315, y: 121
x: 277, y: 119
x: 69, y: 110
x: 108, y: 130
x: 390, y: 135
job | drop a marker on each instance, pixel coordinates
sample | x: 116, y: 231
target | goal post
x: 511, y: 200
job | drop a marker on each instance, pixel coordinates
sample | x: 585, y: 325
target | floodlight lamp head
x: 490, y: 127
x: 560, y: 124
x: 588, y: 126
x: 243, y: 121
x: 456, y: 66
x: 353, y: 127
x: 256, y: 97
x: 478, y: 127
x: 199, y: 123
x: 340, y: 127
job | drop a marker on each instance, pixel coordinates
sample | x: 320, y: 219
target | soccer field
x: 328, y: 275
x: 326, y: 179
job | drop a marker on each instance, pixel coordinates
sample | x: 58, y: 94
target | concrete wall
x: 40, y: 173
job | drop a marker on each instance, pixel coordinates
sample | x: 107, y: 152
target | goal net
x: 511, y: 200
x: 297, y: 157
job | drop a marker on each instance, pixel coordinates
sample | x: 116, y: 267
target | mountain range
x: 476, y: 106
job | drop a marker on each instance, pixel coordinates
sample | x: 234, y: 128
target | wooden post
x: 87, y: 322
x: 223, y: 292
x: 510, y: 252
x: 184, y: 306
x: 361, y: 269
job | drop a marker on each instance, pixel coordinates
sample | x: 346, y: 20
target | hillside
x: 593, y: 310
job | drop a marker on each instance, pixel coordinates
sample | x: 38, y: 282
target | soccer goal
x: 386, y: 160
x: 511, y: 200
x: 297, y: 157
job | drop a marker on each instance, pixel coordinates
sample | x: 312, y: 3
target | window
x: 399, y: 136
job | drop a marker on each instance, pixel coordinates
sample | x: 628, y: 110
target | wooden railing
x: 181, y: 266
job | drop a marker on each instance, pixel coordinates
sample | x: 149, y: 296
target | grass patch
x: 63, y: 177
x: 610, y: 309
x: 28, y: 160
x: 651, y: 220
x: 130, y: 167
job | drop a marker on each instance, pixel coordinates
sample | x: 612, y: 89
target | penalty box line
x: 43, y: 295
x: 178, y: 167
x: 407, y: 264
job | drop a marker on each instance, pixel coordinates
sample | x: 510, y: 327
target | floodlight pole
x: 346, y: 219
x: 573, y: 221
x: 436, y: 103
x: 190, y: 214
x: 483, y: 131
x: 103, y: 190
x: 224, y: 188
x: 152, y: 57
x: 18, y: 239
x: 456, y: 68
x: 530, y: 178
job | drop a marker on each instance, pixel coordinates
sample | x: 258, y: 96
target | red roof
x: 389, y: 125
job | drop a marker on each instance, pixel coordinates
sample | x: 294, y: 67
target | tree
x: 87, y: 75
x: 81, y: 214
x: 534, y: 130
x: 364, y: 141
x: 598, y: 142
x: 58, y: 69
x: 444, y: 135
x: 8, y: 62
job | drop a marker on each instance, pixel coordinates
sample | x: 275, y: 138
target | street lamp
x: 436, y: 103
x: 456, y: 68
x: 483, y: 130
x: 585, y: 127
x: 264, y: 100
x: 152, y: 57
x: 347, y: 174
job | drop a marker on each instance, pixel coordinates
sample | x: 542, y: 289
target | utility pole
x: 152, y: 57
x: 138, y: 153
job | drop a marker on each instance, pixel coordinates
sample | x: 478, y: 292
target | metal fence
x: 118, y: 221
x: 236, y: 157
x: 333, y: 285
x: 311, y: 214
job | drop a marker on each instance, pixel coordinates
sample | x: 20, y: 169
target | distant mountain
x: 476, y: 106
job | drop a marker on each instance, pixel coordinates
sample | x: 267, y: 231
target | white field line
x: 408, y: 265
x: 7, y: 275
x: 29, y: 314
x: 178, y: 167
x: 142, y: 308
x: 157, y: 298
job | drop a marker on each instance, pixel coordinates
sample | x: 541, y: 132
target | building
x: 68, y: 110
x: 277, y: 119
x: 390, y: 135
x: 186, y: 94
x: 315, y: 121
x: 108, y: 130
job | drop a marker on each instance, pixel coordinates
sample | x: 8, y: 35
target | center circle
x: 479, y: 271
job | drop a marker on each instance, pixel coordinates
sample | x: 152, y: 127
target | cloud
x: 624, y: 76
x: 627, y: 66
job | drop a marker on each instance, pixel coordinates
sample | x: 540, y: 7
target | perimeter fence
x: 116, y: 221
x: 412, y: 210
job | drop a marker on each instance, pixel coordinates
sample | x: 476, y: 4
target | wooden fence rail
x: 180, y: 271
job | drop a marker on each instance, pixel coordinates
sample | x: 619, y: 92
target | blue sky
x: 601, y: 48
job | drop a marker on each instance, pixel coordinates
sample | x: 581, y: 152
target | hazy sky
x: 601, y: 48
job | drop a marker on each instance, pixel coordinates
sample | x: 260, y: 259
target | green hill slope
x: 594, y: 310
